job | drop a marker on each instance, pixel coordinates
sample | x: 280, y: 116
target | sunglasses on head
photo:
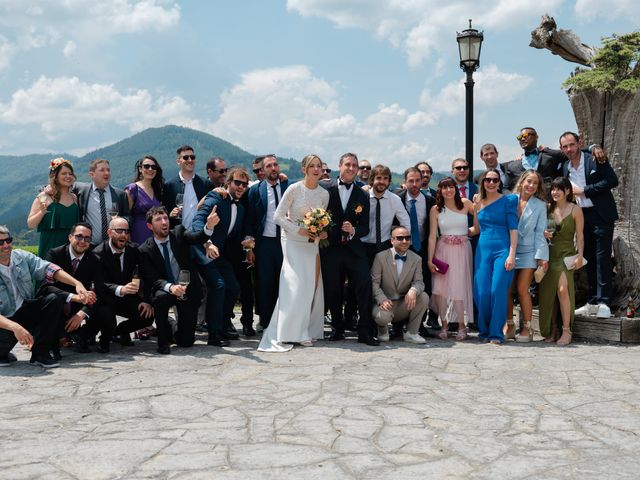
x: 524, y: 135
x: 461, y: 167
x: 82, y: 238
x: 120, y: 231
x: 403, y: 238
x: 149, y: 166
x: 8, y: 241
x: 491, y: 180
x: 188, y: 157
x: 240, y: 183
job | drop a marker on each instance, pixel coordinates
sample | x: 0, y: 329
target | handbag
x: 539, y: 274
x: 441, y: 266
x: 568, y: 261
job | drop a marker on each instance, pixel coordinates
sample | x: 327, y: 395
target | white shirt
x: 270, y: 229
x: 390, y: 207
x: 345, y: 194
x: 578, y: 178
x: 93, y: 215
x: 7, y: 272
x: 421, y: 210
x: 190, y: 200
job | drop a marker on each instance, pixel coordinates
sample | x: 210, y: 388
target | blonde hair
x: 308, y: 159
x: 540, y: 191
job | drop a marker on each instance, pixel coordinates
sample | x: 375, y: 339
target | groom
x: 346, y: 254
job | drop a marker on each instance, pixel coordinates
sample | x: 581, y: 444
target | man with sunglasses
x: 25, y: 316
x: 460, y: 172
x: 120, y: 262
x: 398, y: 289
x: 186, y: 183
x: 213, y: 263
x: 80, y: 319
x: 364, y: 172
x: 217, y: 172
x: 326, y: 172
x: 258, y: 171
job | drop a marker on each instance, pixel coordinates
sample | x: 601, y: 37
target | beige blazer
x: 384, y: 276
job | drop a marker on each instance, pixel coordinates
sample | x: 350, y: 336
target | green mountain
x: 22, y: 174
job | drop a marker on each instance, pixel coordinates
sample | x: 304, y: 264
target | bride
x: 299, y: 313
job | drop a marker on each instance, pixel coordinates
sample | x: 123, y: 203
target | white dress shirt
x: 390, y: 207
x: 190, y: 200
x: 345, y: 194
x: 578, y: 178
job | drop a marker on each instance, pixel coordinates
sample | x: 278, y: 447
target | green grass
x: 29, y: 248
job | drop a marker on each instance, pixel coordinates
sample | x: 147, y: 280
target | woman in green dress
x: 55, y: 210
x: 557, y: 288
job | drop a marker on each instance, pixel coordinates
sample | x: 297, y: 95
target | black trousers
x: 128, y: 307
x: 40, y: 317
x: 598, y: 241
x: 268, y: 266
x: 185, y: 336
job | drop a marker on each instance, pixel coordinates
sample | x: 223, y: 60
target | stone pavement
x: 334, y: 411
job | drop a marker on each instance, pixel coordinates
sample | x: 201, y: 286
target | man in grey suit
x: 99, y: 201
x: 398, y: 289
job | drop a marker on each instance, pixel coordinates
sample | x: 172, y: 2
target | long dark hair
x: 157, y: 181
x: 483, y: 191
x: 448, y: 182
x: 560, y: 183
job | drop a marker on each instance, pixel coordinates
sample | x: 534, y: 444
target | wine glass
x: 184, y: 278
x: 551, y: 227
x: 113, y: 211
x: 180, y: 202
x: 40, y: 195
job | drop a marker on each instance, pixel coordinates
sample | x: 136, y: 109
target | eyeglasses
x: 8, y: 241
x: 257, y: 170
x: 403, y: 238
x: 120, y: 231
x: 82, y: 238
x: 524, y: 135
x: 491, y: 180
x: 188, y: 157
x: 326, y: 170
x: 221, y: 170
x: 240, y: 183
x: 149, y: 166
x: 461, y: 167
x: 365, y: 168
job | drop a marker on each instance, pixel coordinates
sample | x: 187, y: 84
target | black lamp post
x: 469, y: 44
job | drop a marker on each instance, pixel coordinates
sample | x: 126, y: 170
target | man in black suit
x: 76, y: 259
x: 489, y: 155
x: 98, y: 199
x: 592, y: 183
x: 120, y: 268
x: 262, y: 201
x: 162, y: 258
x: 346, y: 254
x: 187, y: 183
x: 217, y: 172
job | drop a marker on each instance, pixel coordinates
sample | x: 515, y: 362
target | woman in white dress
x: 298, y: 316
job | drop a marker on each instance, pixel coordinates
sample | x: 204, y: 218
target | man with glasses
x: 326, y: 172
x: 398, y: 289
x: 217, y: 172
x: 187, y: 183
x: 364, y: 172
x: 26, y: 317
x: 258, y: 171
x: 427, y: 172
x: 120, y: 259
x: 460, y: 172
x: 79, y: 318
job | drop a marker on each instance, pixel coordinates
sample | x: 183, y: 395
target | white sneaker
x: 587, y: 310
x: 412, y: 338
x: 383, y: 334
x: 603, y: 311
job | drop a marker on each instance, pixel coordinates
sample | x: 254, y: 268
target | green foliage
x: 615, y: 66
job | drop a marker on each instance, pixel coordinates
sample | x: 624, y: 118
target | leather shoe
x: 125, y: 340
x: 336, y: 336
x: 231, y: 334
x: 217, y: 340
x: 82, y: 345
x: 55, y: 353
x: 164, y: 349
x: 369, y: 340
x: 44, y: 360
x: 248, y: 331
x: 104, y: 346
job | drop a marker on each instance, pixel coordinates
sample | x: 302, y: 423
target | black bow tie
x: 235, y: 202
x: 346, y: 185
x: 400, y: 257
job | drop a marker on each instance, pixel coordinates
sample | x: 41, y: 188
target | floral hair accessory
x: 57, y: 162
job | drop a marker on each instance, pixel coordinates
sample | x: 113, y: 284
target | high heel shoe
x: 525, y: 338
x: 444, y: 334
x: 565, y: 339
x: 510, y: 334
x: 462, y: 334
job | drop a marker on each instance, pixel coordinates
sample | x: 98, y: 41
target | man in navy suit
x: 346, y: 254
x: 96, y: 200
x: 263, y: 199
x: 460, y: 172
x: 187, y: 183
x: 592, y: 183
x: 214, y: 266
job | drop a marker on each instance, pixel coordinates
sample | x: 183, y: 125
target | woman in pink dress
x: 452, y: 290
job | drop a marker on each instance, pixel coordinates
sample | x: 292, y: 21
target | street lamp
x: 469, y: 44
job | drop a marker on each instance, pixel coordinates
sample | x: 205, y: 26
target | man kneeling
x: 398, y: 288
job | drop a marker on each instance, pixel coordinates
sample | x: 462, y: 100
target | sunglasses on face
x: 257, y: 170
x: 491, y: 180
x: 240, y: 183
x: 461, y: 167
x: 188, y: 157
x: 149, y: 166
x: 222, y: 170
x: 403, y: 238
x: 82, y: 238
x: 8, y: 241
x: 365, y: 168
x: 522, y: 136
x: 120, y: 231
x: 326, y: 170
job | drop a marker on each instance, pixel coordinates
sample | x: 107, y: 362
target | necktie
x: 346, y: 185
x: 378, y: 227
x: 400, y: 257
x: 415, y: 229
x: 103, y: 213
x: 463, y: 191
x: 119, y: 260
x: 167, y: 262
x: 74, y: 265
x: 275, y: 195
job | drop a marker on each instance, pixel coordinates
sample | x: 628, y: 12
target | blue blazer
x: 531, y: 228
x: 219, y: 235
x: 257, y: 208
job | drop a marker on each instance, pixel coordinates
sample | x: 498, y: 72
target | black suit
x: 175, y: 186
x: 89, y: 273
x: 154, y: 276
x: 83, y: 191
x: 347, y: 257
x: 115, y: 276
x: 549, y: 166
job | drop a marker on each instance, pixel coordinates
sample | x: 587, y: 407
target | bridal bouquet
x: 316, y: 221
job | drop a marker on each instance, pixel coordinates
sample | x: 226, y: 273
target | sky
x: 378, y: 78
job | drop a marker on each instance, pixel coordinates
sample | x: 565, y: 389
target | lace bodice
x: 296, y: 202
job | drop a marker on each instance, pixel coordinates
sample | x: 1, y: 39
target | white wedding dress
x: 299, y: 313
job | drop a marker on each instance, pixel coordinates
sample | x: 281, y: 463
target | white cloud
x: 7, y: 51
x: 66, y: 104
x: 69, y: 49
x: 612, y: 9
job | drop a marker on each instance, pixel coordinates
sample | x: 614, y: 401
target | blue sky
x: 379, y: 78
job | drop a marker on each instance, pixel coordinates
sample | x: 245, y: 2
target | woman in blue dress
x: 496, y: 218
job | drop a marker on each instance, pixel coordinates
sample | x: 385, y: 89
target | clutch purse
x: 441, y: 266
x: 539, y: 274
x: 568, y: 261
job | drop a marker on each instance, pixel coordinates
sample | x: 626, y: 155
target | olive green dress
x: 562, y: 245
x: 55, y: 226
